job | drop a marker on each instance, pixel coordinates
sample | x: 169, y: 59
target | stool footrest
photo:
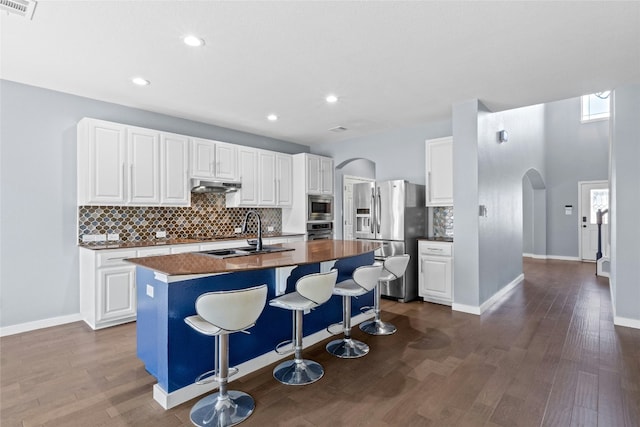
x: 212, y: 375
x: 333, y: 326
x: 282, y: 344
x: 367, y: 309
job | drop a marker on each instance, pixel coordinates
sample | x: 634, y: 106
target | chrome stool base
x: 377, y: 327
x: 347, y: 348
x: 214, y: 412
x: 302, y: 372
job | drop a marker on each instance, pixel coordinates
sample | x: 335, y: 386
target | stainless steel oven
x: 320, y: 208
x: 319, y: 230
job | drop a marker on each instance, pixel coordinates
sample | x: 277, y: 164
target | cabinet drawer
x: 435, y: 249
x: 115, y: 258
x: 153, y: 252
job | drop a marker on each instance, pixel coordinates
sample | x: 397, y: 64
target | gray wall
x: 575, y: 152
x: 38, y: 253
x: 625, y: 202
x: 500, y: 171
x: 488, y: 249
x: 466, y: 258
x: 398, y: 154
x: 527, y: 216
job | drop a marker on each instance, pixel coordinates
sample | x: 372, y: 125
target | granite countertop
x: 313, y: 251
x: 179, y: 241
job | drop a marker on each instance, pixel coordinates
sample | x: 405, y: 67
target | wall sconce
x: 503, y: 136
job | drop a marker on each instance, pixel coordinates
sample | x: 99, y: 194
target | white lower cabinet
x: 108, y: 282
x: 435, y: 271
x: 116, y: 295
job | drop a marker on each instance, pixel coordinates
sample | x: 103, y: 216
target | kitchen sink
x: 244, y: 251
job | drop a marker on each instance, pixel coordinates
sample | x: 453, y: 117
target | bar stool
x: 220, y: 314
x: 311, y: 291
x: 393, y: 268
x: 364, y: 279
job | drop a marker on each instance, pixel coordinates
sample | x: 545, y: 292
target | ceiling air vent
x: 338, y: 129
x: 22, y: 8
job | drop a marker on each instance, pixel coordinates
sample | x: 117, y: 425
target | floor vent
x: 338, y: 129
x: 22, y: 8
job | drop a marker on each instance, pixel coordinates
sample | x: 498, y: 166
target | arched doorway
x: 534, y: 215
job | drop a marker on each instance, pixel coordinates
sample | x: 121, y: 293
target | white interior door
x: 347, y: 204
x: 594, y: 195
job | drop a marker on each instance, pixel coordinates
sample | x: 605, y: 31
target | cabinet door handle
x: 130, y: 180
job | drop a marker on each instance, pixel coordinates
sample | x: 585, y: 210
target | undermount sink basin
x: 244, y: 251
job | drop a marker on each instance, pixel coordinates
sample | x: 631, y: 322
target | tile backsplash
x: 443, y: 221
x: 207, y: 216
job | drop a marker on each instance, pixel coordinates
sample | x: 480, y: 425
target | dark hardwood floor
x: 546, y: 355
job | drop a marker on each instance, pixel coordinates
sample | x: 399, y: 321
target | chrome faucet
x: 244, y: 228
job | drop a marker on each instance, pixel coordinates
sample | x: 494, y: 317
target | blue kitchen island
x: 168, y: 286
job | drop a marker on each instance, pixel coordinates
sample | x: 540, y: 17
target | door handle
x: 584, y: 226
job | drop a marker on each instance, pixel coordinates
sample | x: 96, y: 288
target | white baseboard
x: 625, y: 321
x: 471, y: 309
x: 564, y: 258
x: 534, y: 256
x: 558, y: 257
x: 39, y: 324
x: 177, y: 397
x: 478, y: 310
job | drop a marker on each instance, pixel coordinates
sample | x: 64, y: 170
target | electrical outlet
x: 161, y: 234
x: 100, y: 237
x: 270, y: 228
x: 150, y: 291
x: 238, y: 230
x: 86, y: 238
x: 113, y: 237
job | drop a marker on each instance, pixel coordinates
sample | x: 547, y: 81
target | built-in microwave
x: 320, y: 208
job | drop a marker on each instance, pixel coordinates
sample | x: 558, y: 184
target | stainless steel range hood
x: 204, y: 186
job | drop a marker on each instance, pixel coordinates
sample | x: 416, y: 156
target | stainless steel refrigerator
x: 394, y: 214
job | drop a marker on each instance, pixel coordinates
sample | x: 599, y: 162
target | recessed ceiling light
x: 272, y: 117
x: 140, y: 81
x: 193, y: 41
x: 331, y: 99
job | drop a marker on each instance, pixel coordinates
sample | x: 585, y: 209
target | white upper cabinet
x: 248, y: 164
x: 102, y: 158
x: 284, y: 184
x: 144, y: 166
x: 214, y: 159
x: 126, y: 165
x: 265, y: 177
x: 319, y: 174
x: 174, y: 156
x: 267, y: 181
x: 439, y: 168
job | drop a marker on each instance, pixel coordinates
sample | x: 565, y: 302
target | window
x: 595, y: 106
x: 599, y: 201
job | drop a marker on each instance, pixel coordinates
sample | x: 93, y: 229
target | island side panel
x: 151, y: 325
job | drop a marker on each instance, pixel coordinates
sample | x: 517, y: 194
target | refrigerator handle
x: 379, y: 211
x: 372, y: 217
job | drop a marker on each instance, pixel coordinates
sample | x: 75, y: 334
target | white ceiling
x: 392, y: 64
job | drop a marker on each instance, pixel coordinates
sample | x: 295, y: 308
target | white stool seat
x: 350, y: 288
x: 311, y: 291
x: 220, y: 314
x: 202, y: 326
x: 293, y: 301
